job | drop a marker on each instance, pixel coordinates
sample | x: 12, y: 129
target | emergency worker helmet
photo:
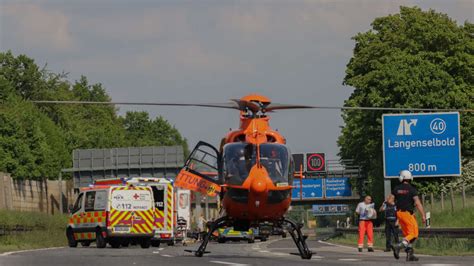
x: 405, y: 175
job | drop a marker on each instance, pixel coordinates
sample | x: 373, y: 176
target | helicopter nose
x: 258, y: 186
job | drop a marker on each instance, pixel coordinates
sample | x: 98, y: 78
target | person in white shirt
x: 366, y: 213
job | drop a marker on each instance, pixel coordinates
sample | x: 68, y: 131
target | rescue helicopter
x: 252, y: 171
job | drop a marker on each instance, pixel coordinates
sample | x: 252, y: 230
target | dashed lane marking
x: 166, y: 255
x: 161, y: 249
x: 349, y: 259
x: 28, y: 250
x: 280, y: 254
x: 228, y: 263
x: 156, y: 252
x: 264, y: 251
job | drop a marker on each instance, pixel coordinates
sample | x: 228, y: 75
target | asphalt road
x: 273, y: 252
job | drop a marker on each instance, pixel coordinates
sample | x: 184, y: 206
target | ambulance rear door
x: 159, y: 195
x: 131, y: 210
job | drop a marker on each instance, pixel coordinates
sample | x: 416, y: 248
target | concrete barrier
x: 34, y: 196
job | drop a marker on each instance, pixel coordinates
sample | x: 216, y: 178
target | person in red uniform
x: 406, y: 199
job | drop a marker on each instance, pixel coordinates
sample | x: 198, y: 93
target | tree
x: 36, y: 140
x: 143, y: 131
x: 31, y: 145
x: 412, y: 59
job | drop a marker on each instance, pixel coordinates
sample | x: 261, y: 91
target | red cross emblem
x: 136, y: 196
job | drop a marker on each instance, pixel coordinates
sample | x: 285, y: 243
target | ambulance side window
x: 100, y: 200
x: 159, y: 196
x: 78, y: 203
x: 90, y: 199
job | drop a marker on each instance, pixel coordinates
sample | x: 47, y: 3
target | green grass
x: 437, y: 246
x: 446, y: 218
x: 47, y: 230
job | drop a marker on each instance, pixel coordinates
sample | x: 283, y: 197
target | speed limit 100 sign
x: 315, y: 162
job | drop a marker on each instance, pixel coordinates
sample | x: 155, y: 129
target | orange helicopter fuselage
x: 258, y: 185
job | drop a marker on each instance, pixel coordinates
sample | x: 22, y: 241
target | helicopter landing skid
x: 212, y: 226
x: 300, y: 240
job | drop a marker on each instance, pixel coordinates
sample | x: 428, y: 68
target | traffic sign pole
x: 387, y: 185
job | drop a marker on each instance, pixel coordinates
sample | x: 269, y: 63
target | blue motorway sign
x: 312, y: 189
x: 338, y: 187
x: 427, y: 144
x: 330, y: 209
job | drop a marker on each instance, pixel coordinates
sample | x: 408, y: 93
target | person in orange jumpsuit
x: 406, y: 198
x: 366, y: 213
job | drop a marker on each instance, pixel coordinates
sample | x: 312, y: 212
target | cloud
x: 169, y: 61
x: 253, y: 20
x: 34, y: 26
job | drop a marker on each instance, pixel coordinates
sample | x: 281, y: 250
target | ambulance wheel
x: 221, y: 240
x: 114, y: 243
x: 283, y: 235
x: 125, y: 243
x: 99, y: 239
x: 72, y: 243
x: 171, y: 243
x: 155, y: 243
x: 251, y: 240
x: 85, y: 243
x: 263, y: 239
x: 145, y: 243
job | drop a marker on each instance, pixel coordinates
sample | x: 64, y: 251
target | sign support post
x: 387, y: 185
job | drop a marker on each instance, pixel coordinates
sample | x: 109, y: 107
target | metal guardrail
x: 424, y: 232
x: 8, y: 229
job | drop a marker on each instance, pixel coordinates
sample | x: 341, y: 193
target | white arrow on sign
x: 338, y: 193
x: 313, y: 194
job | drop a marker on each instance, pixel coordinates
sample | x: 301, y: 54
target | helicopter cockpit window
x: 276, y: 159
x: 238, y: 160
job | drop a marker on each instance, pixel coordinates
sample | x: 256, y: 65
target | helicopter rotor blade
x: 255, y: 107
x: 276, y: 106
x: 229, y: 105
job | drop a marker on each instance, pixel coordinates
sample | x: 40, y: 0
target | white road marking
x: 317, y: 257
x: 166, y: 255
x: 439, y: 264
x: 349, y: 259
x: 228, y: 263
x: 335, y: 245
x: 161, y: 248
x: 28, y: 250
x: 156, y: 252
x: 264, y: 251
x: 280, y: 254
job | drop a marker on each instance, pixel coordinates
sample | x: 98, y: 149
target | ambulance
x: 165, y: 212
x: 116, y: 215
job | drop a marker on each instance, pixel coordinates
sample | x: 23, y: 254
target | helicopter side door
x: 201, y: 170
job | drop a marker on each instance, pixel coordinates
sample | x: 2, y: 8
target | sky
x: 209, y: 51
